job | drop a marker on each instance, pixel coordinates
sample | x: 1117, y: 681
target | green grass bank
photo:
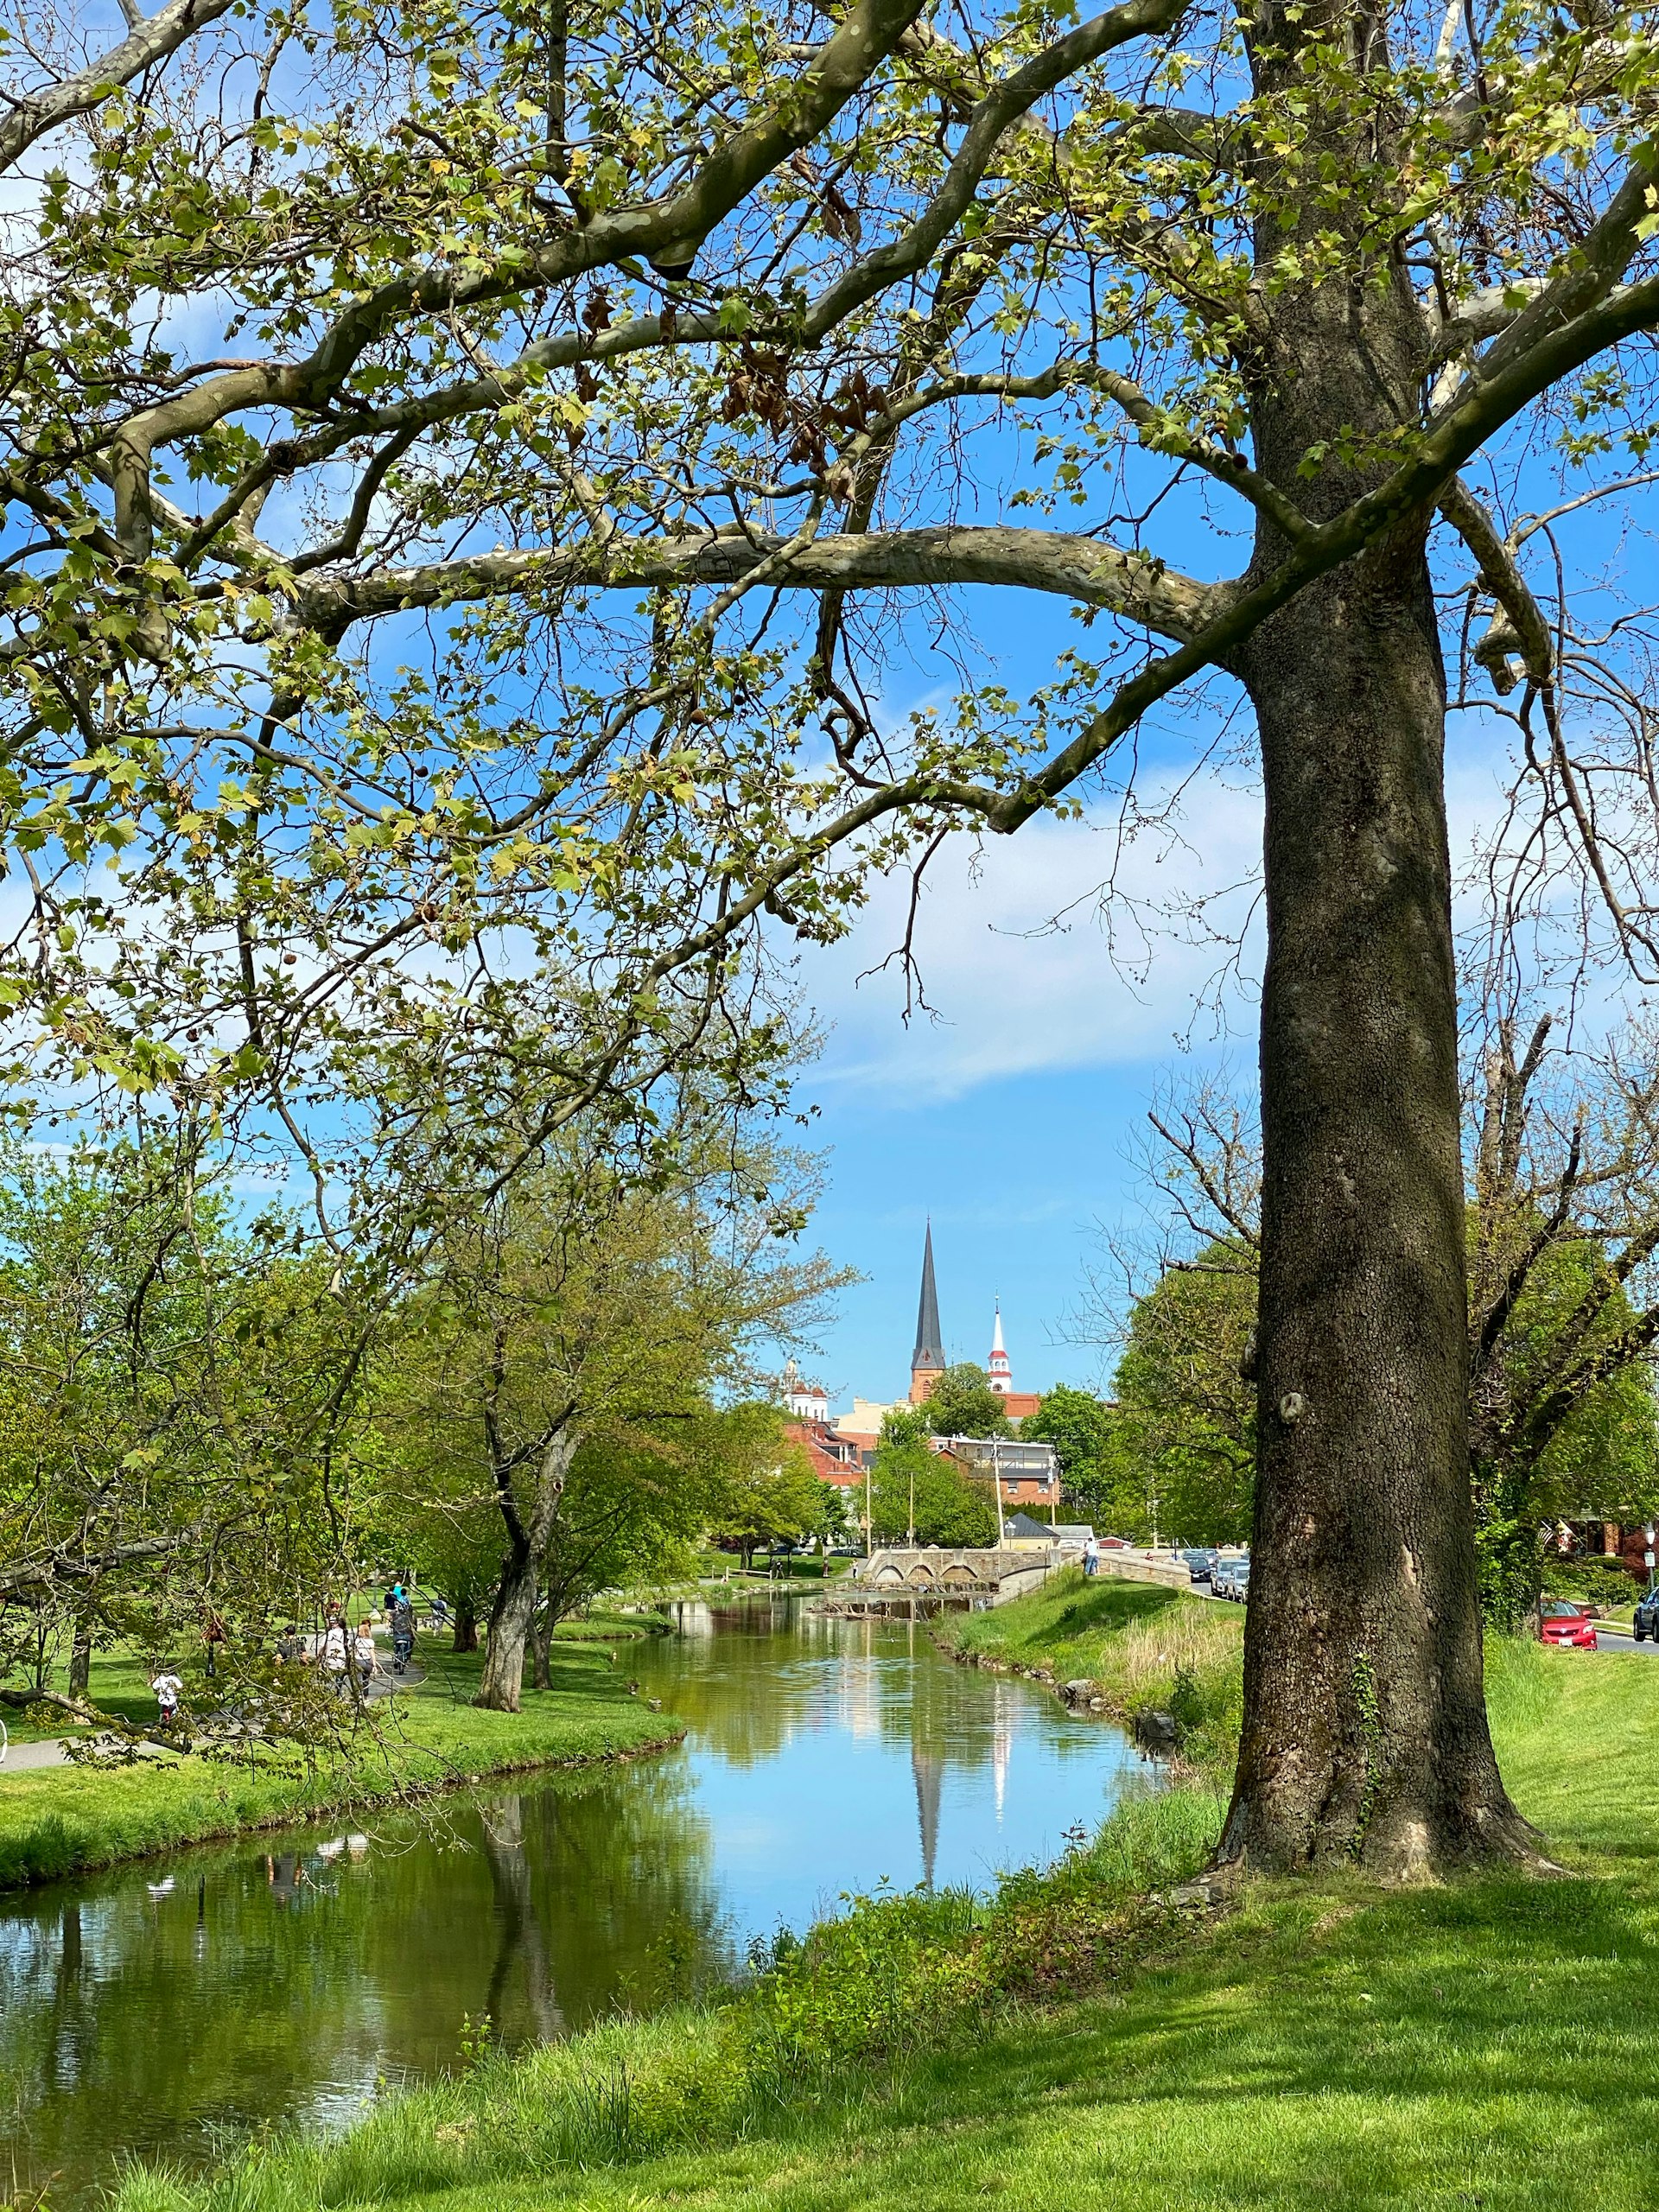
x: 1080, y: 2044
x: 68, y: 1820
x: 1142, y: 1646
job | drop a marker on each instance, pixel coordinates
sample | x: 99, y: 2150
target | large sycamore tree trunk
x: 1364, y: 1730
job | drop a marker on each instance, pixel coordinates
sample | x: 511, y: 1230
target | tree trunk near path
x: 541, y: 1644
x: 510, y: 1618
x: 528, y: 1535
x: 1364, y: 1736
x: 80, y: 1660
x: 465, y: 1637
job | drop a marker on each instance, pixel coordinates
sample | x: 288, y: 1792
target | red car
x: 1574, y: 1626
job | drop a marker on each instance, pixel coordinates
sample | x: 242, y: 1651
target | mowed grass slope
x: 57, y: 1821
x: 1142, y: 1645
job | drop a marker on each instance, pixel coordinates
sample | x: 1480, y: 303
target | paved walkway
x: 18, y: 1759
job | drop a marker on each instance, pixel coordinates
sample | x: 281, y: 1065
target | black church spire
x: 929, y: 1354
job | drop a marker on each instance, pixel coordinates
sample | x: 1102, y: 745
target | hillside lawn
x: 66, y: 1820
x: 1486, y: 2044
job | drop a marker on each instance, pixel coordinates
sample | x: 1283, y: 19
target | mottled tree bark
x: 510, y: 1618
x: 1364, y: 1731
x: 80, y: 1660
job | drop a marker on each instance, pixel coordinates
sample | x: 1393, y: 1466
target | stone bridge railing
x: 1005, y: 1573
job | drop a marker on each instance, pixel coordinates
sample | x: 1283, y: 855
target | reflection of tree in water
x: 135, y: 2015
x: 621, y: 1874
x: 135, y: 2006
x: 521, y: 1944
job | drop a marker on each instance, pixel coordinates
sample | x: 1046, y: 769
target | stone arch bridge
x: 999, y: 1574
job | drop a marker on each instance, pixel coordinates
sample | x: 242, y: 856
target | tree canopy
x: 461, y: 469
x: 963, y: 1403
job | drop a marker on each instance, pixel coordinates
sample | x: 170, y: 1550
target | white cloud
x: 1012, y: 995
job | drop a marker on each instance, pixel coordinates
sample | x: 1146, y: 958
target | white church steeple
x: 1001, y: 1375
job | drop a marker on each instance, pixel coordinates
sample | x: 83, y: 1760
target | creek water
x: 158, y: 2010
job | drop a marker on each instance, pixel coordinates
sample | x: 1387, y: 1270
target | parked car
x: 1199, y: 1564
x: 1560, y: 1623
x: 1647, y: 1618
x: 1230, y: 1578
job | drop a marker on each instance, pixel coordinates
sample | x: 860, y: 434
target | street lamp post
x: 996, y: 1484
x: 1647, y: 1535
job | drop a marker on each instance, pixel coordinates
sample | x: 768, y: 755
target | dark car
x: 1199, y: 1564
x: 1647, y: 1618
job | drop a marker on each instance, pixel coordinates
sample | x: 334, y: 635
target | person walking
x: 362, y: 1655
x: 169, y: 1690
x: 334, y: 1657
x: 402, y: 1628
x: 1091, y: 1555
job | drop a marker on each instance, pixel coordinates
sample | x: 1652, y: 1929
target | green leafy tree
x: 919, y: 1493
x: 566, y: 1348
x: 770, y: 1494
x: 1181, y: 1458
x: 963, y: 1403
x: 1078, y: 1425
x: 493, y: 316
x: 182, y: 1447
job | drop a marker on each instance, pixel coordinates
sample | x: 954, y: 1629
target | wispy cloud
x: 1020, y: 967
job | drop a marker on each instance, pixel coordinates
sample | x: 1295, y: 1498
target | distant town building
x: 806, y: 1401
x: 997, y: 1367
x: 1029, y: 1474
x: 843, y: 1446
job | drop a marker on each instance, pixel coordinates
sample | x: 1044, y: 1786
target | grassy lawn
x: 1488, y: 2043
x: 62, y: 1819
x: 1141, y: 1646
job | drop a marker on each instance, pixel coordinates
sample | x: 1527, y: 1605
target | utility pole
x: 869, y: 1513
x: 996, y: 1484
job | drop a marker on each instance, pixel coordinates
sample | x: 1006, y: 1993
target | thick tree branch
x: 1127, y: 583
x: 149, y: 41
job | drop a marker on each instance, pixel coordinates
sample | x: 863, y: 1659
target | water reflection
x: 149, y: 2009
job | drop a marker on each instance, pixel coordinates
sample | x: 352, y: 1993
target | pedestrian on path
x: 169, y: 1690
x: 402, y: 1628
x: 363, y: 1653
x: 334, y: 1654
x: 1091, y: 1555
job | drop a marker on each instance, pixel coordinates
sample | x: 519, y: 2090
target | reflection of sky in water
x: 887, y: 1762
x: 146, y: 2011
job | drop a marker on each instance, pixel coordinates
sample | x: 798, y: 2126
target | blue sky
x: 1010, y: 1115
